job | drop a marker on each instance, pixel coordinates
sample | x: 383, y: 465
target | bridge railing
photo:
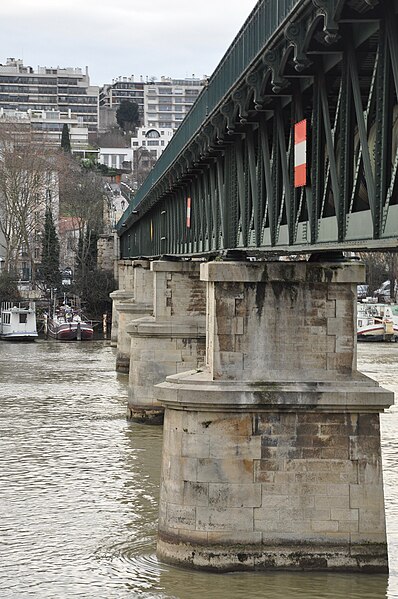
x: 262, y: 23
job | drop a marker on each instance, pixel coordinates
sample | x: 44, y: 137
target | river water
x: 79, y: 488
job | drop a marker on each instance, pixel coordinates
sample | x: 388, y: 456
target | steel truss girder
x: 238, y: 171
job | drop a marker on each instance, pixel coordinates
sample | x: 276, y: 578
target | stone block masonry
x: 271, y: 456
x: 125, y: 293
x: 138, y: 305
x: 171, y: 341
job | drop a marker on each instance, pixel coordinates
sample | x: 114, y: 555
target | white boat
x: 18, y: 321
x: 377, y: 322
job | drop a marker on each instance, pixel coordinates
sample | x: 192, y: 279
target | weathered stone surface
x: 171, y: 341
x: 242, y: 551
x: 127, y: 312
x: 135, y: 302
x: 117, y: 298
x: 106, y: 252
x: 275, y: 447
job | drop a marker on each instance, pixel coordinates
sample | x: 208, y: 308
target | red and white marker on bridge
x: 300, y: 154
x: 188, y: 213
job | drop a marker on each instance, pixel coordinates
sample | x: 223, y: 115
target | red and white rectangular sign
x: 188, y: 213
x: 300, y: 154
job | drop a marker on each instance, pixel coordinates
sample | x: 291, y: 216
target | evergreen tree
x: 128, y: 116
x: 49, y: 269
x: 91, y: 284
x: 65, y: 139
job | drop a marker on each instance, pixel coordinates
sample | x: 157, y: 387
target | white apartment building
x: 152, y: 140
x: 46, y: 89
x: 118, y: 158
x: 162, y: 104
x: 122, y: 88
x: 166, y: 103
x: 47, y: 125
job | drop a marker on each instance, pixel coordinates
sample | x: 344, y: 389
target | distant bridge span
x: 227, y: 178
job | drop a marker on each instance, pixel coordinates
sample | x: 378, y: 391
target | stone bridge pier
x: 271, y: 456
x: 132, y: 300
x: 170, y: 341
x: 137, y: 306
x: 124, y: 293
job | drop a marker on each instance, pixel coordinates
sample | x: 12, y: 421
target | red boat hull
x: 70, y: 331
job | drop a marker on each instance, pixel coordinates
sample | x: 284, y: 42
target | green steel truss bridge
x: 292, y: 146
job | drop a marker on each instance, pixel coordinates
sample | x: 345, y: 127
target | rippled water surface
x: 79, y: 488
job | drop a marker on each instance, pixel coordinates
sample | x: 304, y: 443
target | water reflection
x: 78, y: 509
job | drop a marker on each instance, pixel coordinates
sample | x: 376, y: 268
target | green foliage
x: 92, y: 285
x: 108, y: 171
x: 49, y: 269
x: 89, y: 164
x: 128, y: 116
x: 8, y: 288
x: 65, y: 139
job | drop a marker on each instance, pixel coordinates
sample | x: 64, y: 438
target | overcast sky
x: 176, y: 38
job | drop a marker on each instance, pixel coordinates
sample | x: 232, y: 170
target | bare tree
x: 380, y: 267
x: 82, y: 198
x: 27, y: 182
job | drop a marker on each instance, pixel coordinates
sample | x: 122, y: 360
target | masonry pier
x: 170, y: 341
x: 124, y: 293
x: 271, y: 456
x: 137, y: 306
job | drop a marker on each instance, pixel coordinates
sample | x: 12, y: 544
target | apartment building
x: 166, y: 103
x: 149, y: 142
x: 49, y: 89
x: 46, y: 127
x: 152, y: 139
x: 162, y: 104
x: 122, y: 88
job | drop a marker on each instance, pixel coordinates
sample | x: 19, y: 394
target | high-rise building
x: 162, y: 104
x: 166, y: 102
x: 45, y: 127
x: 63, y: 89
x: 122, y: 88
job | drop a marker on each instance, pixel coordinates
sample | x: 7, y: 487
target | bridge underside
x: 334, y: 64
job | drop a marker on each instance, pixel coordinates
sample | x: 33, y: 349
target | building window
x: 153, y: 134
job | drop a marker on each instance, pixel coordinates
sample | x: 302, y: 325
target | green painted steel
x: 263, y: 21
x: 332, y: 62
